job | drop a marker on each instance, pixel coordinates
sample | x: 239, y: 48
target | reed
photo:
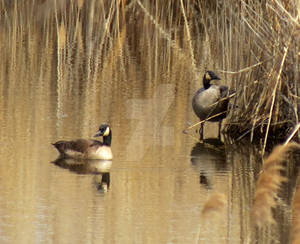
x: 254, y: 43
x: 268, y: 86
x: 269, y: 183
x: 80, y: 3
x: 62, y: 36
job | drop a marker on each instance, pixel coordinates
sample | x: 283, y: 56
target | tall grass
x: 254, y: 44
x: 262, y: 48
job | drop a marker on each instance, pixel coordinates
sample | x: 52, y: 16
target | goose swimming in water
x: 211, y: 101
x: 88, y: 149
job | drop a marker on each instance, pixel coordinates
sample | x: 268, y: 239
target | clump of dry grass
x: 268, y: 94
x: 214, y: 205
x: 296, y: 217
x: 269, y: 183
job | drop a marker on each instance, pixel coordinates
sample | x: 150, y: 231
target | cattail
x: 269, y: 183
x: 215, y: 205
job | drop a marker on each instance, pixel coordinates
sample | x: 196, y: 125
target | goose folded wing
x: 82, y: 145
x: 225, y: 92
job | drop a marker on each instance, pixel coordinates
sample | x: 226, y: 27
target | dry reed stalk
x: 265, y: 23
x: 222, y: 99
x: 274, y: 94
x: 77, y: 22
x: 173, y: 43
x: 117, y: 50
x: 202, y: 121
x: 189, y: 39
x: 297, y: 127
x: 269, y: 183
x: 79, y: 40
x: 215, y: 205
x: 296, y: 217
x: 62, y: 36
x: 249, y: 68
x: 80, y: 4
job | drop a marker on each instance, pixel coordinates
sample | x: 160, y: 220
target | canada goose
x: 87, y: 149
x: 211, y: 100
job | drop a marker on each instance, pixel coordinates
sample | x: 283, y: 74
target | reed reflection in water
x: 156, y: 198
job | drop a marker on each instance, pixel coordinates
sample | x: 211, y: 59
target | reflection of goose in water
x: 207, y: 158
x: 100, y: 168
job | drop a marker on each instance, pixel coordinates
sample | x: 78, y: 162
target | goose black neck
x: 107, y: 139
x: 206, y: 83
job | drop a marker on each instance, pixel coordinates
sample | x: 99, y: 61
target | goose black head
x: 208, y: 77
x: 104, y: 130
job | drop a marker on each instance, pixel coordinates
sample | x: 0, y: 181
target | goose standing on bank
x: 87, y: 149
x: 211, y: 101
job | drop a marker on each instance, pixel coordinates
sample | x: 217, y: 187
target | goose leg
x: 201, y: 131
x: 220, y: 127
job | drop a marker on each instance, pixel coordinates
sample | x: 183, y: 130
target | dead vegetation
x: 269, y: 183
x: 268, y: 86
x: 254, y: 44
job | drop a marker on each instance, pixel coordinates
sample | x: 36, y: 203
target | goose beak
x: 99, y: 133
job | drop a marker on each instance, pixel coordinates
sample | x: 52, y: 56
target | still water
x: 159, y: 180
x: 152, y: 192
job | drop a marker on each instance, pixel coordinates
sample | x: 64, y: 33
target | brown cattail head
x: 269, y: 183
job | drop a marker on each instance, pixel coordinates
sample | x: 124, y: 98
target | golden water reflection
x: 156, y: 198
